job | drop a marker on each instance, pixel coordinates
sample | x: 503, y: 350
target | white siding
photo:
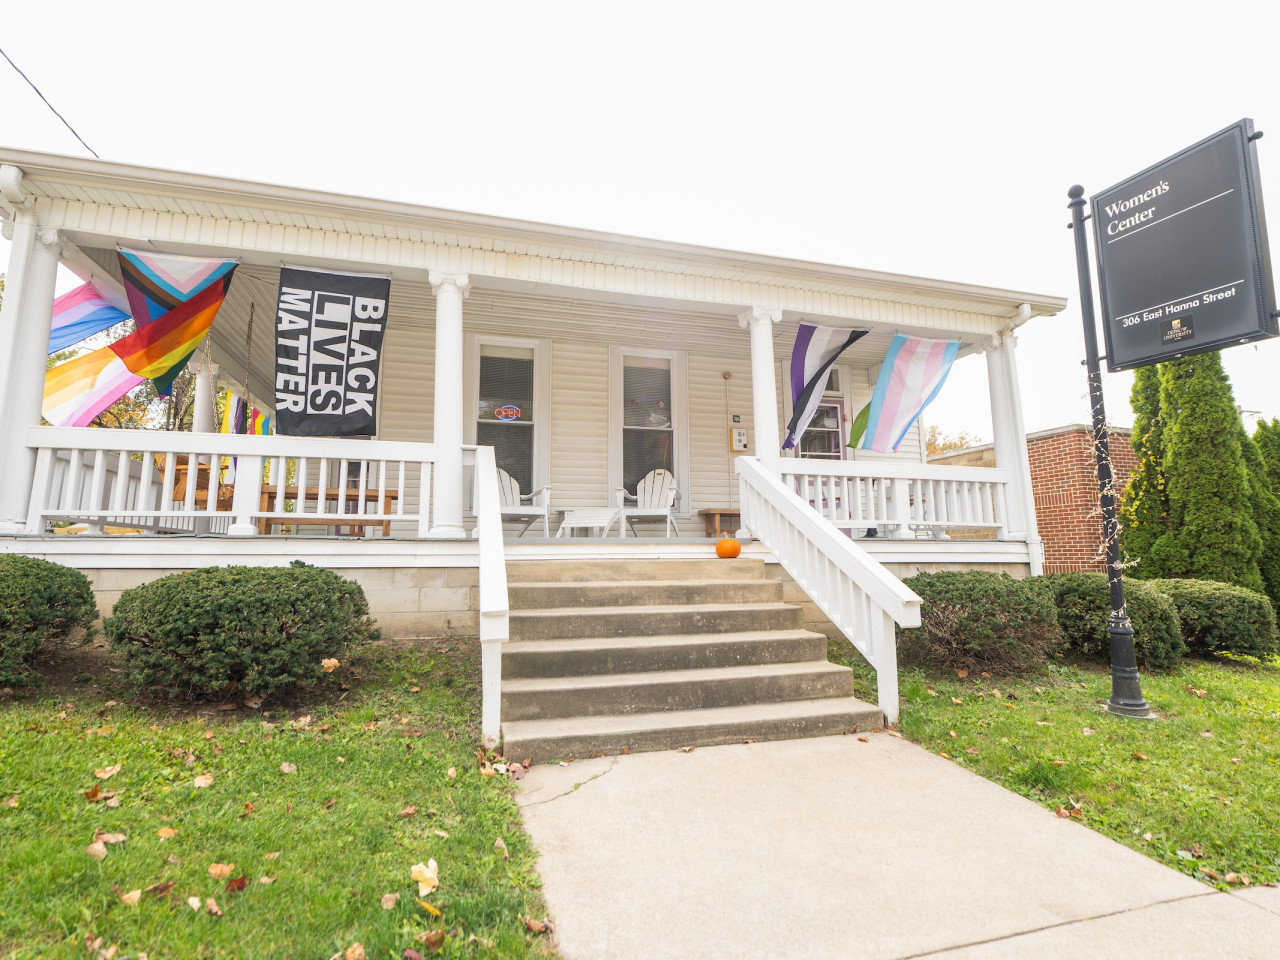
x: 579, y: 425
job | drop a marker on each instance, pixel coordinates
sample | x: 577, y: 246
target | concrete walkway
x: 837, y: 848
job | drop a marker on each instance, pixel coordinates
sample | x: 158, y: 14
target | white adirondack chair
x: 654, y: 499
x: 521, y: 506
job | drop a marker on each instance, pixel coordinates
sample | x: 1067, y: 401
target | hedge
x: 1084, y: 610
x: 1219, y: 617
x: 39, y: 601
x: 255, y: 629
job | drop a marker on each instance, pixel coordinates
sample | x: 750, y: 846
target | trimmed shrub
x: 1084, y: 608
x: 260, y: 628
x: 1222, y: 617
x: 39, y: 601
x: 980, y: 621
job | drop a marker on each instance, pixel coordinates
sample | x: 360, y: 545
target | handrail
x: 892, y: 470
x: 861, y: 597
x: 494, y: 603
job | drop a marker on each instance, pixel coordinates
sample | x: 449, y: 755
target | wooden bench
x: 312, y: 495
x: 712, y: 516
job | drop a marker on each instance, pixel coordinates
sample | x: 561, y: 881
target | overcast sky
x: 927, y: 138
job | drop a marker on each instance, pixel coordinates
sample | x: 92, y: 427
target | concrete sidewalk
x: 837, y: 848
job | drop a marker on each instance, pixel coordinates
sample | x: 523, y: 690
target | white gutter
x: 11, y: 189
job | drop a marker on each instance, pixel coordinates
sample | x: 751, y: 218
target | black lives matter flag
x: 329, y: 329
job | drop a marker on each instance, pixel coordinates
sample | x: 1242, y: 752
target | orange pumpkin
x: 728, y: 547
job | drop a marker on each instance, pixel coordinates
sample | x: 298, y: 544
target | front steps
x: 607, y: 655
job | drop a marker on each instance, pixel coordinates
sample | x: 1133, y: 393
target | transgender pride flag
x: 911, y: 376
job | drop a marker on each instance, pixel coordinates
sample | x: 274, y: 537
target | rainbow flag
x: 158, y: 282
x: 259, y: 423
x: 910, y: 377
x: 79, y: 314
x: 154, y: 350
x: 77, y: 391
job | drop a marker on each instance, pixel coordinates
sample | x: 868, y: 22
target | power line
x: 50, y: 105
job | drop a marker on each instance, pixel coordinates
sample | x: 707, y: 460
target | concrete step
x: 580, y: 736
x: 604, y: 655
x: 623, y: 571
x: 547, y: 697
x: 642, y: 621
x: 534, y: 596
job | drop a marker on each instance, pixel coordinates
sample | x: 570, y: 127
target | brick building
x: 1064, y: 481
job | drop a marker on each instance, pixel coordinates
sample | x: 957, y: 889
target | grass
x: 365, y: 754
x: 1197, y: 789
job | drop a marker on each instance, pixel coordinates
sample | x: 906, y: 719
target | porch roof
x: 92, y: 200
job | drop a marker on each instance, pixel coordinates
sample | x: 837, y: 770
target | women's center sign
x: 1183, y: 264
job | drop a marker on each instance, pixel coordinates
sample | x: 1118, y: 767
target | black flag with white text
x: 329, y: 329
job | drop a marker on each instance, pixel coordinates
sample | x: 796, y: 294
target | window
x: 825, y: 437
x: 506, y: 413
x: 648, y: 432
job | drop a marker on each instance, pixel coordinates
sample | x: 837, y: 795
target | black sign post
x: 1183, y: 265
x: 1126, y: 690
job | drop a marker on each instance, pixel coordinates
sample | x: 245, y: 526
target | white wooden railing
x: 901, y: 500
x: 494, y: 607
x: 240, y: 485
x: 861, y: 597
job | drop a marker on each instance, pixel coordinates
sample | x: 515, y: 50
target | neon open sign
x: 508, y: 412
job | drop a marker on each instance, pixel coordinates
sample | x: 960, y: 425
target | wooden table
x: 312, y: 495
x: 715, y: 525
x: 598, y: 519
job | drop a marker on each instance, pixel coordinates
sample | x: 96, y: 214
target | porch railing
x: 494, y: 607
x: 218, y: 483
x: 902, y: 500
x: 861, y: 597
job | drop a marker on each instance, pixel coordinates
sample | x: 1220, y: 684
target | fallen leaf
x: 342, y: 759
x: 1058, y: 763
x: 517, y: 770
x: 160, y: 889
x: 534, y: 926
x: 208, y: 734
x: 97, y: 850
x: 429, y: 908
x: 220, y: 871
x: 1062, y: 812
x: 1231, y: 878
x: 953, y: 734
x: 193, y: 903
x: 204, y: 780
x: 956, y: 700
x: 441, y: 834
x: 92, y: 795
x: 415, y: 689
x: 266, y: 879
x: 864, y: 739
x: 500, y: 845
x: 253, y: 703
x: 131, y: 898
x: 272, y: 855
x: 944, y: 754
x: 408, y: 811
x: 1043, y: 723
x: 987, y: 675
x: 389, y: 901
x: 995, y: 693
x: 106, y: 773
x: 962, y: 672
x: 433, y: 940
x: 224, y: 707
x: 111, y: 837
x: 1147, y: 837
x: 1211, y: 874
x: 1207, y: 735
x: 248, y: 809
x: 972, y: 751
x: 426, y: 875
x: 12, y: 802
x: 112, y: 703
x: 1088, y: 731
x: 288, y: 768
x: 112, y: 800
x: 452, y: 773
x: 487, y: 771
x: 930, y: 691
x: 1233, y: 760
x: 354, y: 952
x: 211, y: 906
x: 687, y: 749
x: 328, y: 664
x: 1139, y: 756
x: 236, y: 885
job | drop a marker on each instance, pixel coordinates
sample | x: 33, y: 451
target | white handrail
x: 494, y: 606
x: 861, y: 597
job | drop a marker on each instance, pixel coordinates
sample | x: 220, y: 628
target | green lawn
x: 1197, y: 789
x: 364, y: 755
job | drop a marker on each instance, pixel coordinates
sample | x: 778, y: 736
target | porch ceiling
x: 514, y: 312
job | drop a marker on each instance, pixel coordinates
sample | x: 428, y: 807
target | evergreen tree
x: 1265, y: 507
x: 1267, y: 437
x: 1144, y: 510
x: 1212, y: 535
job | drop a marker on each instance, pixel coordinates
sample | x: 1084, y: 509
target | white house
x: 622, y: 355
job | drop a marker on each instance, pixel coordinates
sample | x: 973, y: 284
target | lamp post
x: 1126, y: 692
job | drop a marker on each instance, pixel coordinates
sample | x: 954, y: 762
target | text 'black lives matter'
x: 329, y: 331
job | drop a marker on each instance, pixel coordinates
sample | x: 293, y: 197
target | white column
x: 764, y: 386
x: 446, y: 517
x: 202, y: 414
x: 1011, y: 446
x: 1022, y: 457
x: 24, y: 347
